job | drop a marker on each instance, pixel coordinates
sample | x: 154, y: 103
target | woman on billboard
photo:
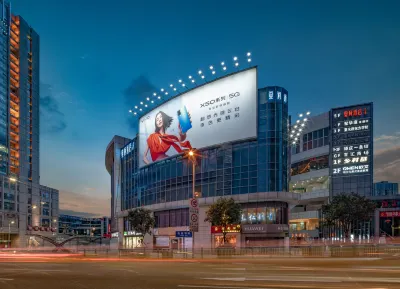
x: 159, y: 142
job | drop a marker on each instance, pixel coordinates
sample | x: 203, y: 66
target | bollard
x: 84, y: 252
x: 202, y: 256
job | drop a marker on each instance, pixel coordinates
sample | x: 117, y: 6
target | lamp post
x: 9, y: 232
x: 192, y: 158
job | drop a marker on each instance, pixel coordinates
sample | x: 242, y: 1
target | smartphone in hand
x: 184, y: 119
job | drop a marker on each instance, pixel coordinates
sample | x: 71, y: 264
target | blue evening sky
x: 325, y: 53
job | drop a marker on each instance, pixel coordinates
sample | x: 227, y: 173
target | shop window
x: 219, y: 240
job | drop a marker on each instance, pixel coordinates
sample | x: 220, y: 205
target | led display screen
x: 221, y: 111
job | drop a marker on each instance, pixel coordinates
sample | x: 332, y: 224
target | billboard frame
x: 187, y: 91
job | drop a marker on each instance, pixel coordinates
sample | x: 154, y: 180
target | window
x: 315, y: 139
x: 45, y: 223
x: 313, y: 164
x: 172, y: 218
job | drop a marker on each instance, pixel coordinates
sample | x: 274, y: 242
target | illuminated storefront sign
x: 389, y: 214
x: 127, y: 149
x: 262, y: 228
x: 114, y: 235
x: 227, y: 229
x: 131, y: 233
x: 388, y: 204
x: 351, y: 147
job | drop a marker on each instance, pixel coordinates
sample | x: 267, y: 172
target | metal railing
x: 348, y: 251
x: 319, y: 251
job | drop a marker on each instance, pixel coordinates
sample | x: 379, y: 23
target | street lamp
x: 9, y: 232
x: 192, y: 158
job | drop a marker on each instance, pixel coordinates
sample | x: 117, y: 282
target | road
x: 67, y: 273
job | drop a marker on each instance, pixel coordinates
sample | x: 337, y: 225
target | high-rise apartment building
x: 24, y: 203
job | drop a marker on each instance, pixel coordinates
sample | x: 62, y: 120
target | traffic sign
x: 183, y: 234
x: 193, y: 211
x: 194, y: 215
x: 194, y: 222
x: 194, y: 218
x: 193, y: 203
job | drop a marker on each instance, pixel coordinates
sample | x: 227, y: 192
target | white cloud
x: 384, y: 142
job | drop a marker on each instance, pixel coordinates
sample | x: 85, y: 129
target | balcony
x: 14, y: 75
x: 13, y: 87
x: 14, y: 129
x: 15, y: 94
x: 14, y: 106
x: 15, y: 23
x: 14, y: 164
x: 14, y: 99
x: 14, y: 118
x: 14, y: 125
x: 14, y: 139
x: 14, y: 170
x: 14, y: 113
x: 14, y: 67
x: 14, y: 56
x: 14, y: 82
x: 14, y: 148
x: 14, y: 43
x: 14, y: 36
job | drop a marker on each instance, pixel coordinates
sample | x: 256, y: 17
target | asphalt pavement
x: 270, y: 273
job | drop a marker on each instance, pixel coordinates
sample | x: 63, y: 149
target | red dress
x: 160, y: 144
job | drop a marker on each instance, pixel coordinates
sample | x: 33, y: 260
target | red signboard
x: 389, y: 214
x: 355, y: 112
x: 227, y: 229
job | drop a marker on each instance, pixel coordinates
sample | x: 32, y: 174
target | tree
x: 347, y: 209
x: 142, y: 221
x: 224, y: 212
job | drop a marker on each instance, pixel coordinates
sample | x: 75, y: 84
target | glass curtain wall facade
x: 257, y: 165
x: 5, y: 15
x: 386, y: 189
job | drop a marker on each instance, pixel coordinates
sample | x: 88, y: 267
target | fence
x: 254, y: 252
x: 330, y: 251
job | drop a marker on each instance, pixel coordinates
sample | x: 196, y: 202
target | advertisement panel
x: 351, y: 149
x: 222, y: 111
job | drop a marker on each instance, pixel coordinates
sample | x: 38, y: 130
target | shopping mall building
x: 247, y: 148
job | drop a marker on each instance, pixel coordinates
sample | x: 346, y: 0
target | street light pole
x: 194, y: 194
x: 9, y: 233
x: 193, y: 159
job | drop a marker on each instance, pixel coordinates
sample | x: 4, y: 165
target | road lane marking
x: 319, y: 279
x: 233, y: 269
x: 6, y: 279
x: 220, y: 287
x: 279, y: 278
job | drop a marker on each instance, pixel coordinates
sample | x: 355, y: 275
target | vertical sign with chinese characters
x: 351, y: 149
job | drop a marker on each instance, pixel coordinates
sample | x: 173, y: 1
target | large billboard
x: 351, y: 149
x: 221, y: 111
